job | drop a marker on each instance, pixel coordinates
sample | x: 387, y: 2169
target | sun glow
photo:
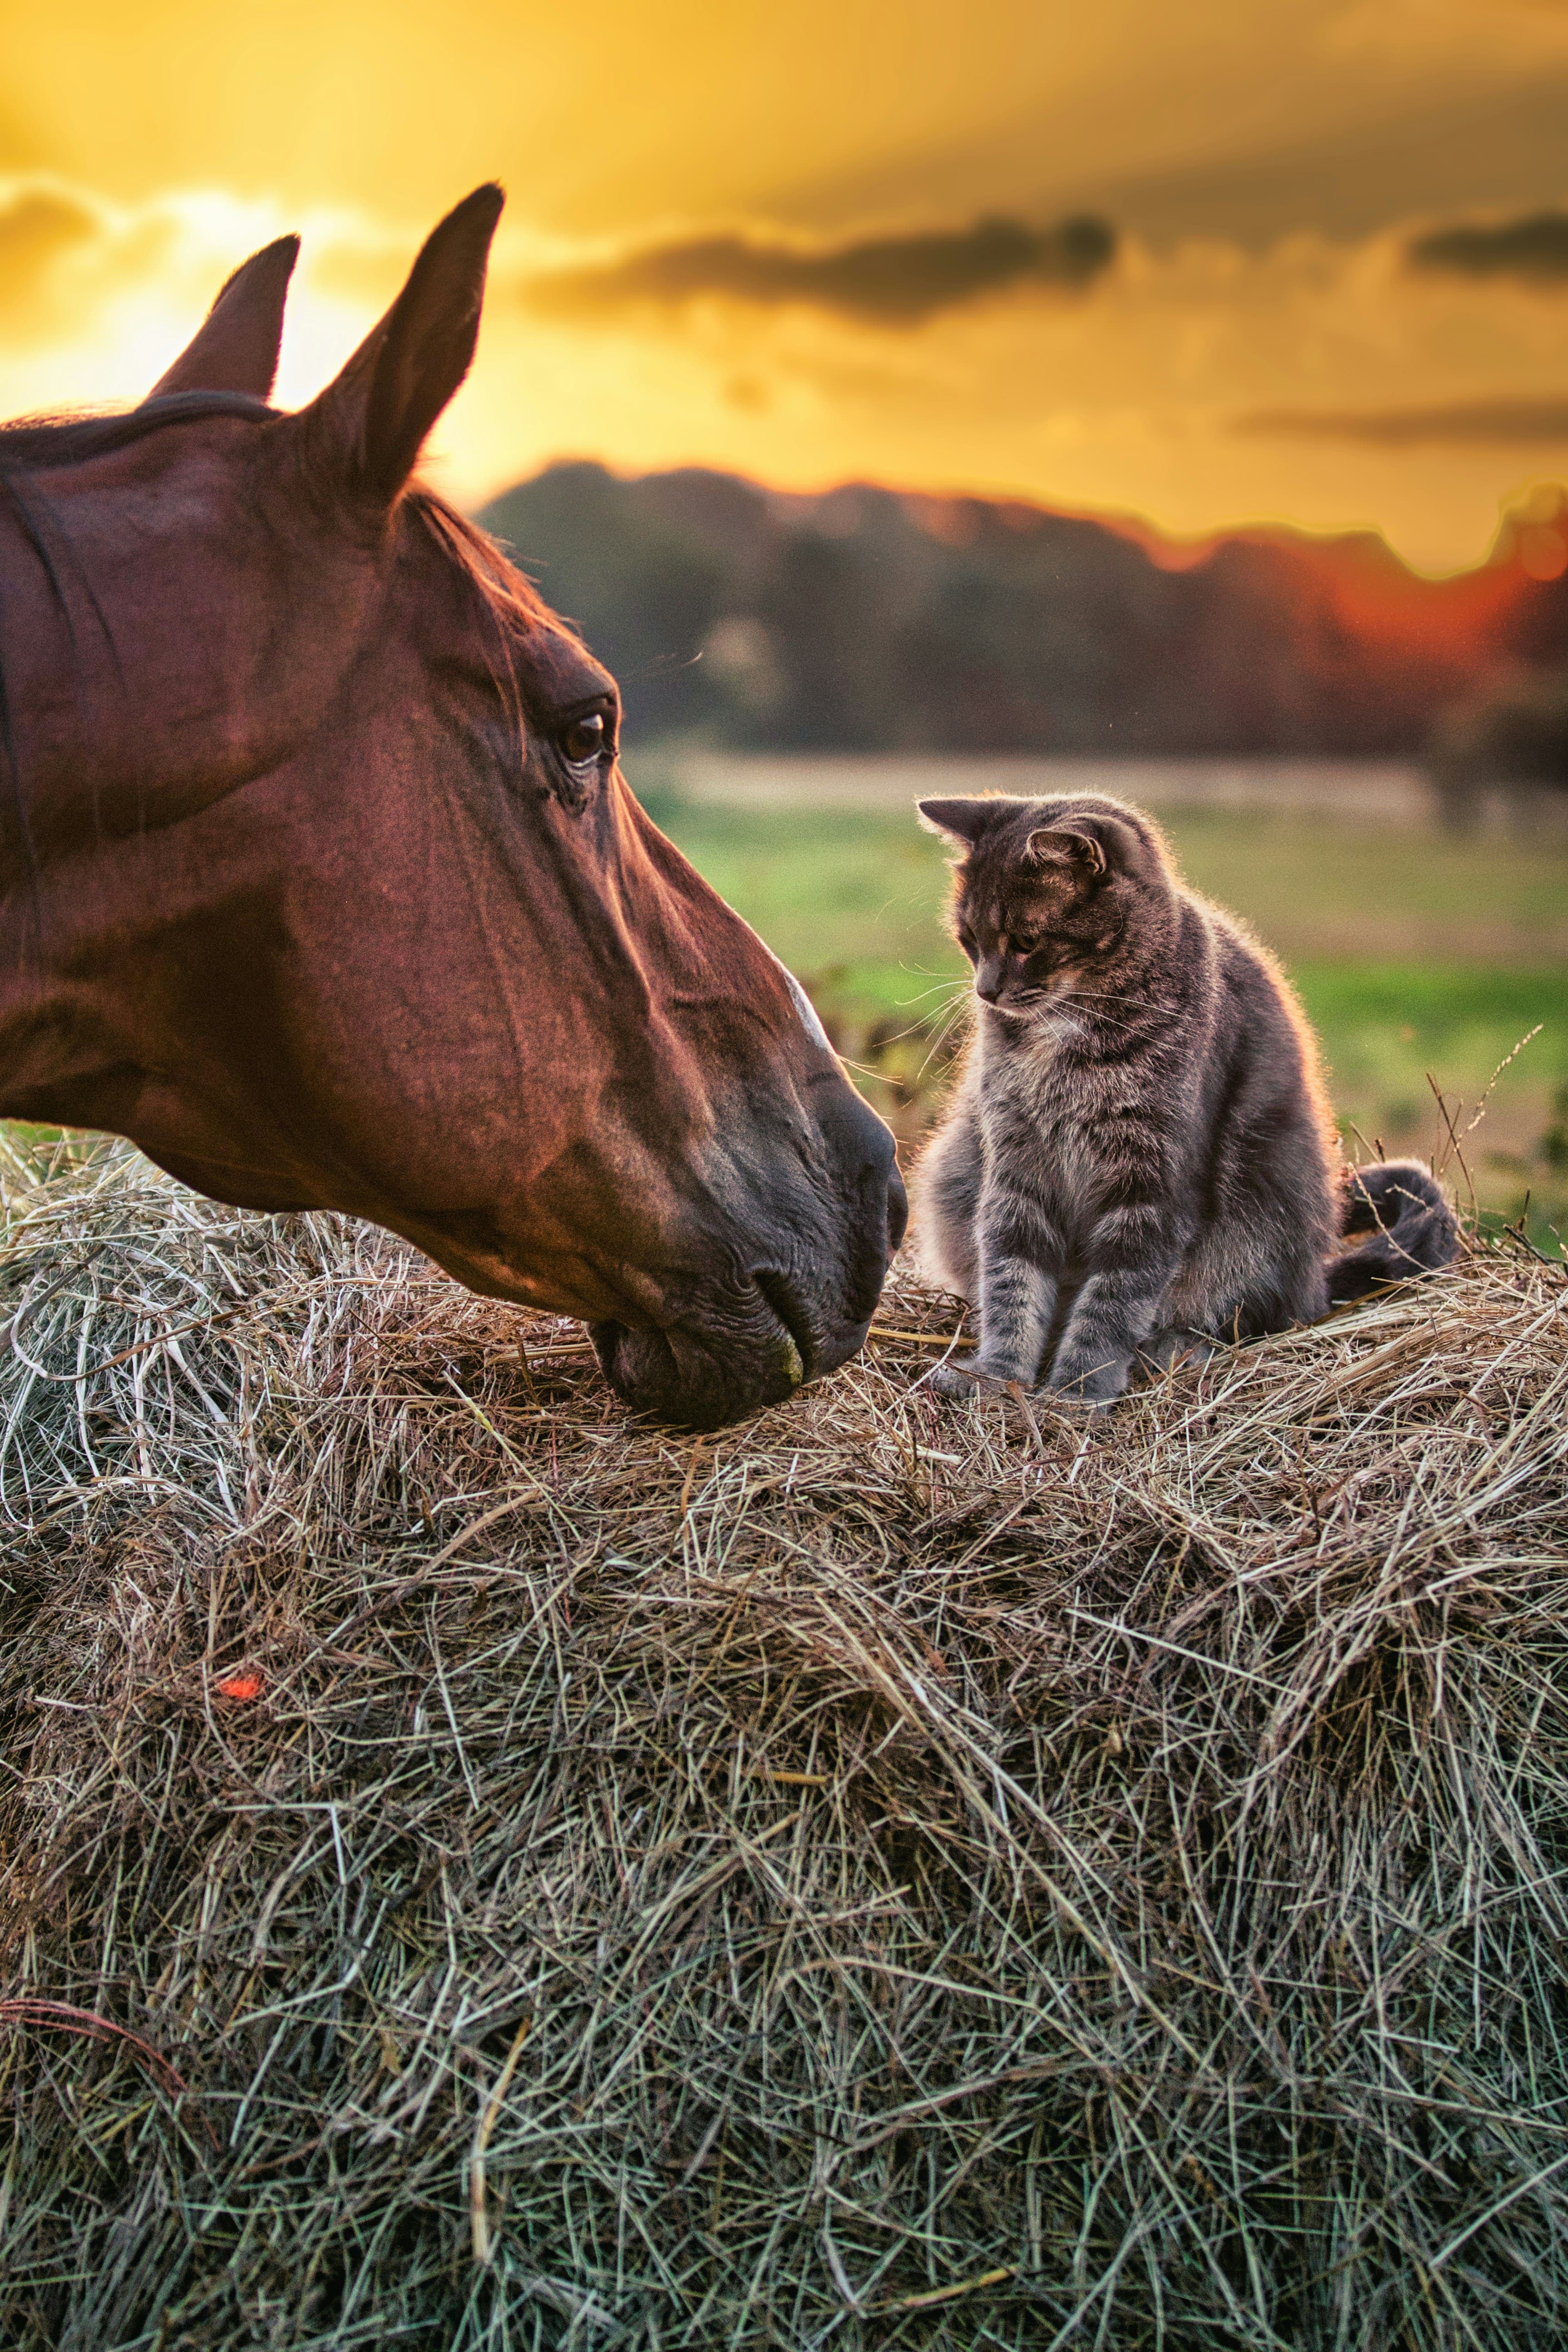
x: 835, y: 250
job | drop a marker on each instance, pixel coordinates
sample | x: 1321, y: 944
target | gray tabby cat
x: 1140, y: 1159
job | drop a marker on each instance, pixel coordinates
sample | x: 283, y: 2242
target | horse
x: 319, y: 879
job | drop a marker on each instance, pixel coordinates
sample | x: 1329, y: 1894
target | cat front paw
x: 971, y: 1374
x: 1174, y: 1350
x: 1096, y: 1385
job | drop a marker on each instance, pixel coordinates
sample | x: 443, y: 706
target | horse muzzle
x: 800, y: 1307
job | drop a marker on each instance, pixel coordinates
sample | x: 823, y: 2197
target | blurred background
x: 1168, y: 399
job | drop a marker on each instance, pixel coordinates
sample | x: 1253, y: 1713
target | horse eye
x: 583, y: 739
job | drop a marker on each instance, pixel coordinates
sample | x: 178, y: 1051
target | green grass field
x: 1423, y: 961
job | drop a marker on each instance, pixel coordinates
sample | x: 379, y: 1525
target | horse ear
x: 236, y: 347
x: 963, y: 822
x: 1065, y: 845
x: 378, y: 411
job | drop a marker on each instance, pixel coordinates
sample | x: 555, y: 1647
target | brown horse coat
x: 322, y: 883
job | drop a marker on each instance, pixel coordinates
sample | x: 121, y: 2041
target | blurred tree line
x: 866, y: 619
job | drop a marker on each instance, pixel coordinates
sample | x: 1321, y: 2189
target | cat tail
x: 1409, y: 1226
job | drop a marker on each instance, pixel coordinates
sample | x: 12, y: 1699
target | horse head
x: 321, y: 881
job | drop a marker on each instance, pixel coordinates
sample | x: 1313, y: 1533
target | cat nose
x: 988, y: 980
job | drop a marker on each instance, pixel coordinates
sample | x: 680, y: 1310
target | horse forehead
x: 561, y: 665
x: 164, y: 487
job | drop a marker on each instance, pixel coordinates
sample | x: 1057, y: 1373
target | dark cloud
x: 34, y: 226
x: 1534, y: 247
x: 1390, y: 153
x: 1500, y: 421
x: 894, y: 281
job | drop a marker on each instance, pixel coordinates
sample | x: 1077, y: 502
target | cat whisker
x: 1105, y: 996
x: 915, y: 1029
x: 1087, y: 1001
x: 947, y: 980
x: 945, y: 1030
x: 1050, y: 1001
x: 1052, y: 1005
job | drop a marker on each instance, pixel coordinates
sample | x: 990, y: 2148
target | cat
x: 1139, y: 1161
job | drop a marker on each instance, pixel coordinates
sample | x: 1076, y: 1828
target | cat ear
x: 963, y: 822
x: 1066, y: 846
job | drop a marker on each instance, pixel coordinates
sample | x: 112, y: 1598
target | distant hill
x: 872, y: 619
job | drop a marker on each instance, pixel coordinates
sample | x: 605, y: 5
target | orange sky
x: 717, y: 246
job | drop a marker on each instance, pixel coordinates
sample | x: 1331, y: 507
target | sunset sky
x: 1205, y: 261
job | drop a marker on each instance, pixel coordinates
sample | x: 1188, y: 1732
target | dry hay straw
x: 894, y: 1874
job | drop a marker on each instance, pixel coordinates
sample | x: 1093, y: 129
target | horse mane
x: 508, y: 592
x: 33, y: 443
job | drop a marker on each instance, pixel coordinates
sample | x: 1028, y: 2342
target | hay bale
x: 891, y: 1875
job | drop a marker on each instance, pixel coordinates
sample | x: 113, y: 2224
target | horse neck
x: 89, y: 998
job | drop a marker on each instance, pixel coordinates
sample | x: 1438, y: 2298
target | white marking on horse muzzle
x: 807, y: 1009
